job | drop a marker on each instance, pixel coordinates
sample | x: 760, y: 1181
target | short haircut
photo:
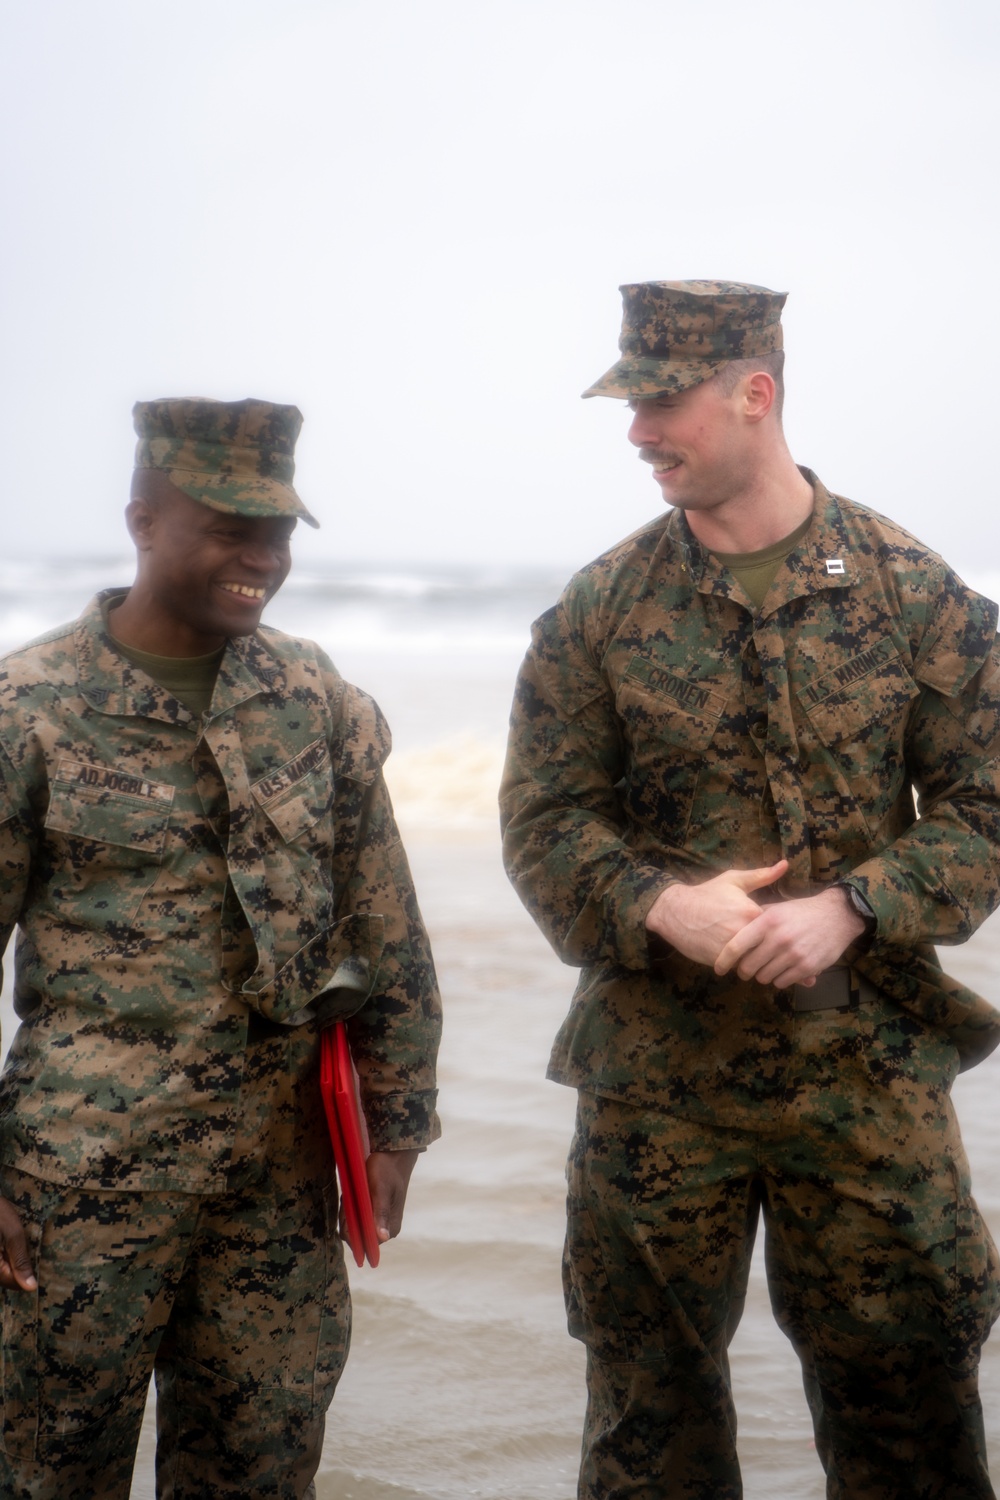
x: 773, y: 364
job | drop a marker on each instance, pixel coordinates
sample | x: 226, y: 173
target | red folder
x: 347, y: 1134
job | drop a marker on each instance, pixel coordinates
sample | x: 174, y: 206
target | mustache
x: 656, y: 456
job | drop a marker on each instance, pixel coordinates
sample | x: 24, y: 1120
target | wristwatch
x: 863, y: 910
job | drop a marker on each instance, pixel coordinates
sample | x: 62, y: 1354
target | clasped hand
x: 719, y: 924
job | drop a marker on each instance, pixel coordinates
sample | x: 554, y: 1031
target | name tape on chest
x: 293, y: 771
x: 114, y: 782
x: 662, y: 680
x: 849, y: 672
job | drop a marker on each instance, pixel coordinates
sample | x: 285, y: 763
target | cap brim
x: 633, y: 378
x: 242, y: 496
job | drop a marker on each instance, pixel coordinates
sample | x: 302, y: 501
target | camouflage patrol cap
x: 236, y: 456
x: 676, y: 334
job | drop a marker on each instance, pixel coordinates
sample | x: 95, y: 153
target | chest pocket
x: 859, y: 713
x: 101, y: 805
x: 669, y: 722
x: 299, y: 794
x: 107, y: 836
x: 870, y: 690
x: 661, y: 707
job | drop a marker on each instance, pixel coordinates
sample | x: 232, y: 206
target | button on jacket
x: 172, y: 876
x: 663, y: 727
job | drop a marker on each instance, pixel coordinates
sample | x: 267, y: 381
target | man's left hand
x: 388, y: 1179
x: 793, y: 941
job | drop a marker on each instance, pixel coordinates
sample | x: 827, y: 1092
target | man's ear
x: 140, y: 518
x: 758, y: 396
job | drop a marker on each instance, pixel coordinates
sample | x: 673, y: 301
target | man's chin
x: 672, y: 493
x: 240, y: 618
x: 226, y: 627
x: 236, y: 631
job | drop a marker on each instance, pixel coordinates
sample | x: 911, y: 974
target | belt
x: 835, y: 989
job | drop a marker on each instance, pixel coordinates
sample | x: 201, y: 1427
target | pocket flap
x: 686, y: 712
x: 299, y: 793
x: 868, y: 687
x: 109, y: 806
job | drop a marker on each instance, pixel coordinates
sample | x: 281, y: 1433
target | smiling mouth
x: 244, y: 591
x: 660, y: 463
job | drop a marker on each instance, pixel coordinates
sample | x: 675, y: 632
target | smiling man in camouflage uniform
x: 198, y: 849
x: 708, y: 805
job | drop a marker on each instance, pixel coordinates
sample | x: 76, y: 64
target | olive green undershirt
x: 756, y: 570
x: 191, y: 679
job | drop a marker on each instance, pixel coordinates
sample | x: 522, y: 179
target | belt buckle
x: 835, y: 989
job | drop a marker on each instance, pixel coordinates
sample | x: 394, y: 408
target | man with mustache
x: 198, y: 849
x: 708, y: 805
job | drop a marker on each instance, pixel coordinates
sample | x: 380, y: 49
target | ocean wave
x: 411, y: 611
x: 450, y: 785
x: 389, y: 610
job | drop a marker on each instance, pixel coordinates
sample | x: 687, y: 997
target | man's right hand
x: 15, y: 1263
x: 699, y: 920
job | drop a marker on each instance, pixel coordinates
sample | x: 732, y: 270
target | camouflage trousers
x: 237, y: 1303
x: 881, y: 1272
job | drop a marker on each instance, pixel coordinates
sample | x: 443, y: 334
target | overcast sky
x: 411, y: 219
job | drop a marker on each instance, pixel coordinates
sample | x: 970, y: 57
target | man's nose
x: 263, y: 557
x: 640, y: 432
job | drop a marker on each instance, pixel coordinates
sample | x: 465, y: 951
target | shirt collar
x: 113, y: 685
x: 822, y: 559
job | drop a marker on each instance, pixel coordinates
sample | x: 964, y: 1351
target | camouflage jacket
x: 662, y: 727
x: 171, y: 874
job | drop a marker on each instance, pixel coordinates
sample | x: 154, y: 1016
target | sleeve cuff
x: 911, y: 907
x: 402, y: 1122
x: 633, y: 896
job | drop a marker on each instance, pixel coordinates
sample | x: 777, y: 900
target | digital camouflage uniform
x: 663, y: 727
x: 195, y: 897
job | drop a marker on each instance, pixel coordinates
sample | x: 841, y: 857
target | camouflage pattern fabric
x: 661, y: 728
x: 238, y: 1299
x: 665, y: 728
x: 881, y: 1270
x: 235, y: 456
x: 676, y: 334
x: 171, y: 876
